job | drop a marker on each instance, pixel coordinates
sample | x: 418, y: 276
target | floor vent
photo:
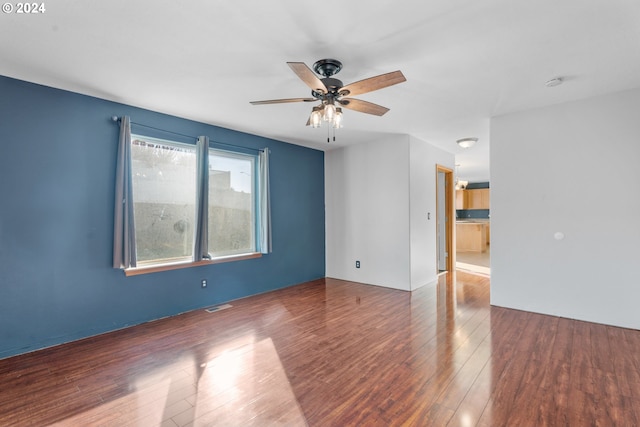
x: 217, y: 308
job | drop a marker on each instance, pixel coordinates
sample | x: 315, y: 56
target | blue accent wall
x: 472, y: 213
x: 57, y: 169
x: 477, y: 185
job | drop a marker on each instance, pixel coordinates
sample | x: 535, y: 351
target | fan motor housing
x: 327, y: 67
x: 333, y: 86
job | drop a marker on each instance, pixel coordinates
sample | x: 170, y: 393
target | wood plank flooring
x: 335, y: 353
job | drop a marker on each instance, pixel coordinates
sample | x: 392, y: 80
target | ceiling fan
x: 333, y: 95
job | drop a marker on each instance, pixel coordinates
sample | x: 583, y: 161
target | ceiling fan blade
x: 308, y: 76
x: 373, y: 83
x: 363, y: 106
x: 282, y: 101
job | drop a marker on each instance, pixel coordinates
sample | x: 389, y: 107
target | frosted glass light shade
x: 467, y: 142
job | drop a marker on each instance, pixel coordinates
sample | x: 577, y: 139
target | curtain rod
x: 117, y: 120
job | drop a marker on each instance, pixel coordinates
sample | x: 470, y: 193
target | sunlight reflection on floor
x: 245, y: 386
x: 242, y: 384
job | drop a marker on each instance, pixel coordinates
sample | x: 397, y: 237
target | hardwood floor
x: 335, y: 353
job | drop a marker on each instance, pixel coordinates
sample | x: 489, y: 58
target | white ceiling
x: 465, y: 61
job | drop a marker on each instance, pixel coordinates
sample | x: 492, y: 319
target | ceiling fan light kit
x: 332, y: 94
x: 337, y: 119
x: 316, y: 117
x: 329, y: 111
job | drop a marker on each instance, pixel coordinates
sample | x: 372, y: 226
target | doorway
x: 444, y: 215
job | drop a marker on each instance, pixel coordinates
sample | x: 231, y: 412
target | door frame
x: 449, y: 220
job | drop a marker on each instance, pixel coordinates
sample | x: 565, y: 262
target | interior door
x: 442, y: 221
x: 445, y: 251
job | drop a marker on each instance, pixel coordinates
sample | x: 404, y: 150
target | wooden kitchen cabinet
x: 477, y: 199
x: 471, y: 237
x: 461, y: 199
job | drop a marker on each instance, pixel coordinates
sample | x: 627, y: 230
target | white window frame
x: 254, y: 200
x: 179, y: 146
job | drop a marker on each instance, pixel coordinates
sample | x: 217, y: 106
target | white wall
x: 572, y: 168
x: 378, y: 195
x: 367, y: 212
x: 423, y: 184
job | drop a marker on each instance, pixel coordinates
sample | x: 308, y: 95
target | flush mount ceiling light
x: 467, y: 142
x: 556, y: 81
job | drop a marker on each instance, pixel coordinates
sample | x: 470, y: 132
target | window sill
x: 176, y: 266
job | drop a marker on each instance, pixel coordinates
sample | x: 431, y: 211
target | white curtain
x: 201, y: 236
x: 265, y: 203
x: 124, y: 242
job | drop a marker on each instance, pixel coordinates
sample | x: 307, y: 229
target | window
x: 164, y: 199
x: 164, y: 187
x: 232, y: 204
